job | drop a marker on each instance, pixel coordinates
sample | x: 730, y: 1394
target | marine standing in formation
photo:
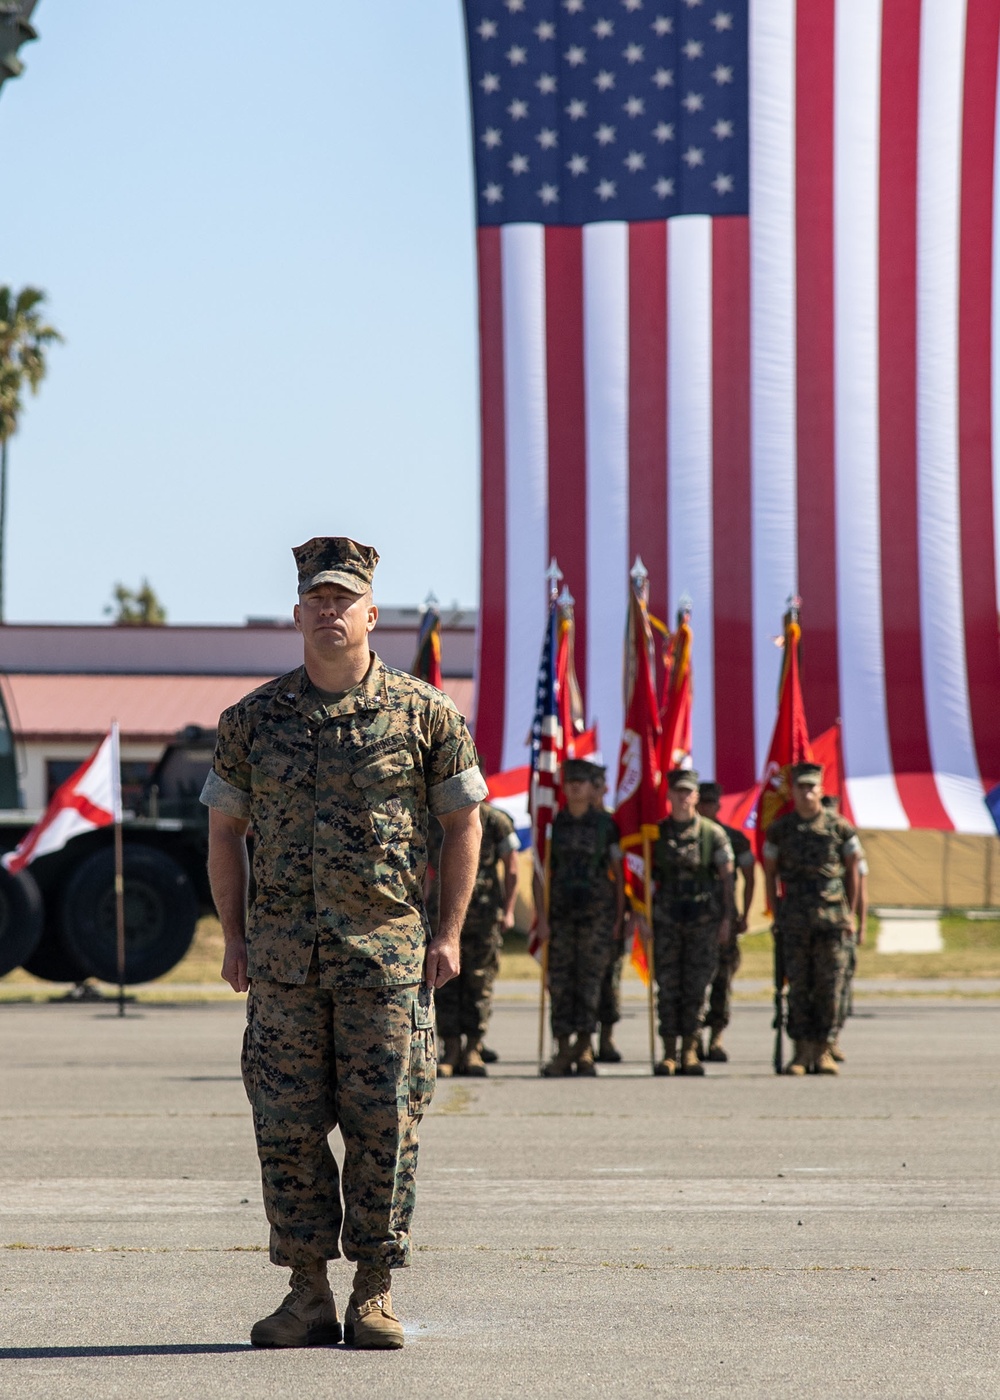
x: 693, y: 915
x: 336, y: 766
x: 464, y: 1004
x: 720, y: 997
x: 585, y: 864
x: 810, y: 866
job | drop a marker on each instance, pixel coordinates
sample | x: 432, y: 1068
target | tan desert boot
x: 825, y: 1063
x: 472, y: 1061
x: 668, y: 1065
x: 583, y: 1055
x: 803, y: 1058
x: 561, y: 1062
x: 306, y: 1318
x: 690, y: 1063
x: 716, y: 1051
x: 607, y: 1052
x: 836, y: 1051
x: 452, y: 1054
x: 370, y: 1323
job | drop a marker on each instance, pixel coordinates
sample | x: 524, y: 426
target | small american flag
x: 546, y: 744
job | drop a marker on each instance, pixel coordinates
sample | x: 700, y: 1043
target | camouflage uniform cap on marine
x: 808, y: 774
x: 709, y: 792
x: 582, y: 770
x: 335, y: 559
x: 338, y: 796
x: 683, y: 778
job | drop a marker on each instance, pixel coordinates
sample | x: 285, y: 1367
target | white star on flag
x: 606, y: 190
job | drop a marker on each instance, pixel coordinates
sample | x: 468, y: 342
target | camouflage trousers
x: 609, y: 1003
x: 720, y: 996
x: 464, y: 1004
x: 845, y: 1006
x: 360, y: 1059
x: 815, y: 954
x: 685, y: 955
x: 579, y: 949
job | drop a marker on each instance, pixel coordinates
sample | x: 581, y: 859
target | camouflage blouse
x: 337, y: 796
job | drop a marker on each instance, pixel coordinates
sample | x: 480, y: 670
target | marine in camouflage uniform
x: 585, y: 863
x: 609, y: 1003
x: 692, y: 913
x: 464, y: 1004
x: 810, y: 864
x: 337, y: 786
x: 720, y: 996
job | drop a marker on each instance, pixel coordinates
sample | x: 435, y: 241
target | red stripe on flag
x: 492, y: 660
x: 647, y: 406
x: 817, y: 582
x: 904, y: 682
x: 567, y: 416
x: 731, y: 508
x: 982, y: 649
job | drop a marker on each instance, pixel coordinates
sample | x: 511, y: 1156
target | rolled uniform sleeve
x: 510, y: 843
x: 227, y: 787
x: 453, y: 780
x: 851, y: 847
x: 770, y: 851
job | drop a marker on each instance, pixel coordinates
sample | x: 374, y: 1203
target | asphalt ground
x: 737, y: 1235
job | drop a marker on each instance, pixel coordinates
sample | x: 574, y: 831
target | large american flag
x: 738, y: 279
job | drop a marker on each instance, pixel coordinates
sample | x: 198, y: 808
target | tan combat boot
x: 561, y: 1062
x: 472, y: 1061
x: 803, y: 1059
x: 607, y: 1052
x: 370, y: 1322
x: 306, y: 1318
x: 836, y: 1051
x: 716, y: 1051
x: 690, y: 1063
x: 583, y: 1056
x: 668, y: 1065
x: 825, y: 1063
x: 448, y: 1062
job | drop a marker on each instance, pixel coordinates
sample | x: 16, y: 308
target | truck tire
x: 161, y: 911
x: 52, y: 960
x: 21, y: 919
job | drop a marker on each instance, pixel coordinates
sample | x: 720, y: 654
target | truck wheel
x: 161, y: 911
x: 52, y: 960
x: 21, y: 919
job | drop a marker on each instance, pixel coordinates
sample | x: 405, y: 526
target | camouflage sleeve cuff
x: 745, y: 861
x: 462, y: 790
x: 770, y: 851
x: 224, y: 797
x: 851, y: 847
x: 724, y: 855
x: 509, y: 843
x: 862, y: 866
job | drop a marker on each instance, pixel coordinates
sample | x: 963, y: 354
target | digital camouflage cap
x: 709, y: 792
x: 683, y: 778
x: 808, y: 774
x: 335, y: 559
x: 582, y: 770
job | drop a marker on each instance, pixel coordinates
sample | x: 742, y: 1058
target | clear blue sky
x: 254, y: 224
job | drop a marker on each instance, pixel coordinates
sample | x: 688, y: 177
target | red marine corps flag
x: 638, y: 802
x: 790, y: 740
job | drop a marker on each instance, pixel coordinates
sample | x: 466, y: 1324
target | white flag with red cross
x: 90, y: 798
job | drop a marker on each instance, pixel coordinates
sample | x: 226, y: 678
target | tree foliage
x: 24, y: 337
x: 136, y: 607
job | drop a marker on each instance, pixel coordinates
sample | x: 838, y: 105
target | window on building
x: 135, y: 776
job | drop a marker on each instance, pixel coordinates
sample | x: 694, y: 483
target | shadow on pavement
x: 180, y: 1349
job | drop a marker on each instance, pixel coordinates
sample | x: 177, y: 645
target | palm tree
x: 23, y: 339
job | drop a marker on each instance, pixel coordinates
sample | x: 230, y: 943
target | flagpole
x: 647, y: 857
x: 119, y: 865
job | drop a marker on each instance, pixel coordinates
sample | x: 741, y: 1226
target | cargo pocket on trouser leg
x: 248, y: 1055
x: 423, y: 1054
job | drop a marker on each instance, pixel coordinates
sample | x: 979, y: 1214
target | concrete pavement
x: 737, y: 1235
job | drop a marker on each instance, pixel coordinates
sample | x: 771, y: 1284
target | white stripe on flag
x: 859, y: 573
x: 772, y: 344
x: 523, y: 261
x: 605, y: 331
x: 943, y: 634
x: 689, y: 452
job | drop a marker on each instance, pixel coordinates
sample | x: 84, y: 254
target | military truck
x: 57, y: 917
